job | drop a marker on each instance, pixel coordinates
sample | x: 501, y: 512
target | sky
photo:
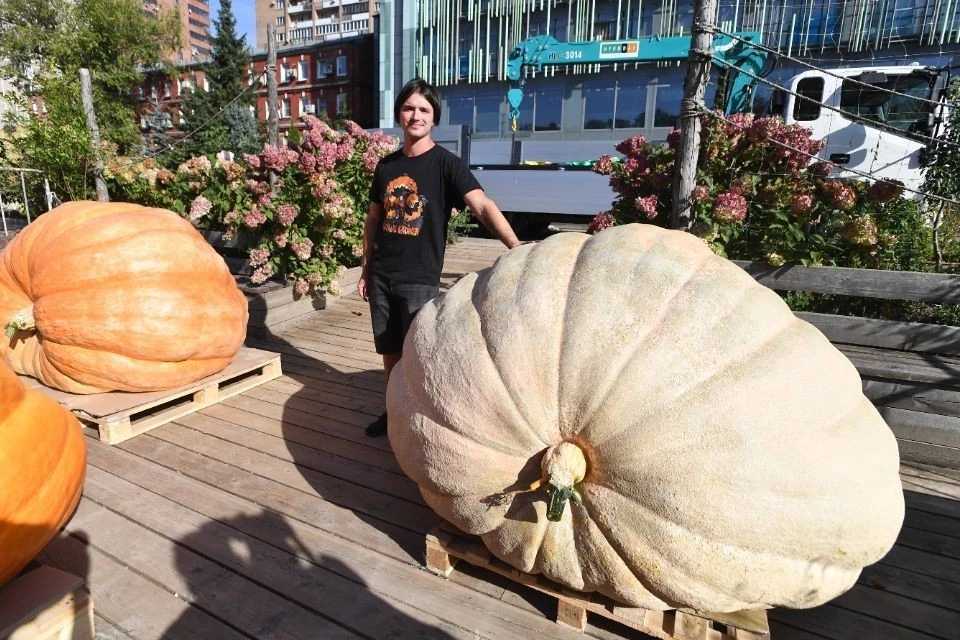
x: 246, y: 21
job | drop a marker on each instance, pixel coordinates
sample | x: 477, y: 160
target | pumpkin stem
x: 566, y: 467
x: 21, y: 321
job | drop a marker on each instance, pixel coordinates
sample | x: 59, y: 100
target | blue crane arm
x: 545, y: 50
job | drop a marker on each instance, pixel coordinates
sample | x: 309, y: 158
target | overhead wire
x: 253, y: 86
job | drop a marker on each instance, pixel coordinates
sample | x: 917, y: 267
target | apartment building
x: 195, y: 26
x: 298, y: 22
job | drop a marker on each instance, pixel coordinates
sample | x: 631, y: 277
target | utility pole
x: 86, y: 97
x: 273, y: 117
x: 694, y: 87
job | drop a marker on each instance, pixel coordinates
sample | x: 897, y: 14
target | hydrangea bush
x: 302, y: 228
x: 758, y: 197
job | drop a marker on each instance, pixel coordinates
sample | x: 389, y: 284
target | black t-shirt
x: 417, y: 195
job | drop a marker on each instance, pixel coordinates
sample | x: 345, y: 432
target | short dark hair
x: 424, y: 88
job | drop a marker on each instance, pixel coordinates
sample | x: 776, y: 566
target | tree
x: 219, y: 118
x: 942, y: 178
x: 43, y: 45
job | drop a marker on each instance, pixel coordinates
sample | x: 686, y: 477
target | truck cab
x: 867, y: 128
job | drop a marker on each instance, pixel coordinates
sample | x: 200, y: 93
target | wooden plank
x: 889, y: 364
x: 918, y: 616
x: 292, y: 557
x: 132, y: 601
x: 913, y: 585
x: 359, y: 499
x: 914, y: 451
x: 354, y: 470
x: 888, y: 334
x: 913, y: 396
x: 206, y: 584
x: 834, y: 622
x: 869, y: 283
x: 320, y: 437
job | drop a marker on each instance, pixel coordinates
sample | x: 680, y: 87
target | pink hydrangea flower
x: 601, y: 221
x: 199, y: 207
x: 861, y: 231
x: 647, y: 205
x: 253, y: 160
x: 262, y: 273
x: 281, y: 238
x: 254, y: 218
x: 286, y: 213
x: 603, y: 165
x: 699, y: 193
x: 801, y: 204
x: 839, y: 194
x: 673, y: 139
x: 729, y: 206
x: 259, y: 256
x: 357, y: 250
x: 303, y: 248
x: 300, y: 286
x: 339, y: 234
x: 883, y: 191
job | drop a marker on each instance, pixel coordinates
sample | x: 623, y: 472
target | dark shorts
x: 392, y: 308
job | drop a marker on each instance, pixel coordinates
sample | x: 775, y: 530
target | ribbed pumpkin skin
x: 124, y: 297
x: 43, y: 461
x: 732, y: 458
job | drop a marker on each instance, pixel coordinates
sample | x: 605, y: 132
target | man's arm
x: 370, y: 229
x: 489, y: 214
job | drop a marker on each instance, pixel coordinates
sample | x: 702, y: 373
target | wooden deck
x: 270, y: 515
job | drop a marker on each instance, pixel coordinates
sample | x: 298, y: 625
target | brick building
x: 335, y: 79
x: 194, y: 26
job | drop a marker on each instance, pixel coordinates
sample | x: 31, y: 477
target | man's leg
x: 379, y: 426
x: 405, y: 301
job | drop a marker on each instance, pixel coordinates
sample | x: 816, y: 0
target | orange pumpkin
x: 116, y: 296
x: 43, y: 460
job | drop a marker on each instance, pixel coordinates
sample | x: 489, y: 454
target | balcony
x: 301, y: 7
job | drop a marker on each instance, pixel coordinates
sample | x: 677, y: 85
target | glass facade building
x: 461, y: 47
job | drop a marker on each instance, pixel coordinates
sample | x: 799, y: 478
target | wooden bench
x: 910, y: 371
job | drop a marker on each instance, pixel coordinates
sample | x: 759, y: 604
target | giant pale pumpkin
x: 116, y: 296
x: 43, y: 461
x: 697, y: 444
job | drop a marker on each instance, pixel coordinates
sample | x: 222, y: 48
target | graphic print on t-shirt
x: 404, y: 207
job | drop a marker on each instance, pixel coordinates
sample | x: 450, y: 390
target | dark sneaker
x: 378, y: 427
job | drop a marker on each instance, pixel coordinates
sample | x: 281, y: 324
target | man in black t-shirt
x: 414, y: 191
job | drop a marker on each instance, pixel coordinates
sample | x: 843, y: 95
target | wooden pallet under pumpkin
x: 119, y: 416
x: 445, y: 545
x: 43, y: 603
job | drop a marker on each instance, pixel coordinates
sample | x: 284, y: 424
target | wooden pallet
x: 119, y: 416
x: 445, y: 546
x: 43, y: 603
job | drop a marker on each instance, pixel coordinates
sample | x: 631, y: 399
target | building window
x: 285, y: 107
x: 548, y: 105
x: 142, y: 93
x: 305, y: 106
x: 342, y: 104
x: 461, y: 110
x: 153, y: 92
x: 667, y: 111
x: 167, y: 89
x: 281, y: 4
x: 281, y: 21
x: 598, y: 101
x: 341, y: 66
x: 631, y: 107
x: 303, y: 70
x: 488, y: 112
x: 324, y: 68
x: 322, y: 107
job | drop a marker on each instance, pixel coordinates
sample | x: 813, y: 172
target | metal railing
x: 23, y: 185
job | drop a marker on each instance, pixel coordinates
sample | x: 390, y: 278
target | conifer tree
x: 219, y: 118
